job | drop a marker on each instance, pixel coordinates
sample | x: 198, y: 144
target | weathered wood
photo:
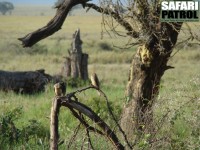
x: 76, y: 54
x: 84, y: 66
x: 95, y: 118
x: 54, y: 124
x: 27, y: 82
x: 76, y: 45
x: 66, y: 69
x: 53, y: 26
x: 83, y: 109
x: 76, y: 65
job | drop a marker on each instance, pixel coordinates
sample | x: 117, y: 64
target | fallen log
x: 26, y: 82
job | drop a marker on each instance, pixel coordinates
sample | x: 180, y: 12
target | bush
x: 105, y: 46
x: 34, y: 133
x: 9, y: 134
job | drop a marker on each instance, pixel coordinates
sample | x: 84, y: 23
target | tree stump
x: 76, y: 65
x: 66, y: 68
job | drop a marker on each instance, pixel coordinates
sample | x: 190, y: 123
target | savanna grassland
x: 179, y: 90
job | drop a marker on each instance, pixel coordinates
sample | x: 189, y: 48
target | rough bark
x: 84, y: 66
x: 27, y: 82
x: 66, y: 69
x: 76, y: 55
x: 76, y: 65
x: 54, y: 124
x: 147, y: 68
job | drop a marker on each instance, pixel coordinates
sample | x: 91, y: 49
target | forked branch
x: 117, y: 17
x: 70, y: 101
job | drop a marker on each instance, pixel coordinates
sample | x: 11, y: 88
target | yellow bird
x: 60, y: 89
x: 95, y: 81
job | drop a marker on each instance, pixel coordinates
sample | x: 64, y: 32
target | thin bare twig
x: 66, y: 101
x: 114, y: 118
x: 74, y: 136
x: 117, y: 17
x: 89, y: 139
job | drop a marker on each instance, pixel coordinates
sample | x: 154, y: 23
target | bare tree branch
x: 53, y: 26
x: 117, y: 17
x: 115, y: 120
x: 74, y: 136
x: 90, y: 146
x: 56, y: 23
x: 66, y: 101
x: 82, y: 121
x: 78, y: 110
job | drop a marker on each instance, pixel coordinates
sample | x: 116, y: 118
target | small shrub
x: 105, y: 46
x: 34, y: 129
x: 33, y: 133
x: 8, y: 132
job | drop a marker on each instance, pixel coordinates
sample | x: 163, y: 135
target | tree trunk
x: 74, y: 65
x: 66, y: 69
x: 147, y: 68
x: 84, y: 66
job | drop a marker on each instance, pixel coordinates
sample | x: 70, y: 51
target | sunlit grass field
x: 178, y: 86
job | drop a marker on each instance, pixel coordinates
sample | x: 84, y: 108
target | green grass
x: 178, y: 86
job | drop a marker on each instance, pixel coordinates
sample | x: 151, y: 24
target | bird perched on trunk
x: 60, y: 89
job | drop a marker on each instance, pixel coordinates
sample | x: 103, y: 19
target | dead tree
x: 76, y: 65
x: 66, y: 68
x: 27, y: 82
x: 157, y: 40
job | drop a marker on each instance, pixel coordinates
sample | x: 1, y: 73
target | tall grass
x: 179, y: 85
